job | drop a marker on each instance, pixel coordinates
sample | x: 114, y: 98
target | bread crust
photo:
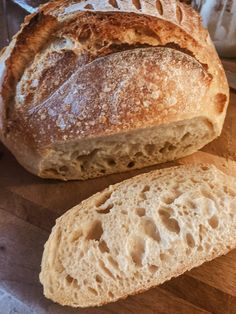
x: 57, y: 43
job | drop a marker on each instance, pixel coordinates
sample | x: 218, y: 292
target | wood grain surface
x: 28, y: 209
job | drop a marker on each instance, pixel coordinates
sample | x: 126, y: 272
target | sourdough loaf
x: 140, y: 233
x: 95, y: 87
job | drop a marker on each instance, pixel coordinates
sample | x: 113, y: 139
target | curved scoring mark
x: 179, y: 14
x: 89, y: 6
x: 113, y: 3
x: 159, y: 7
x: 220, y: 102
x: 137, y: 4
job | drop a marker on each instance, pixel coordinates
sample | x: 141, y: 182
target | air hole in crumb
x: 167, y: 147
x: 82, y: 168
x: 213, y: 222
x: 179, y: 14
x: 190, y: 240
x: 200, y: 248
x: 172, y: 147
x: 93, y: 291
x: 146, y: 188
x: 188, y: 251
x: 131, y: 164
x: 194, y: 180
x: 124, y: 212
x: 168, y: 199
x: 140, y: 212
x: 138, y: 154
x: 63, y: 169
x: 103, y: 247
x: 81, y: 254
x: 159, y: 7
x: 204, y: 168
x: 137, y: 249
x: 150, y: 229
x: 75, y: 284
x: 113, y: 3
x: 164, y: 257
x: 170, y: 223
x: 76, y: 235
x: 228, y: 191
x: 111, y: 162
x: 202, y: 232
x: 69, y: 279
x: 185, y: 136
x: 207, y: 194
x: 95, y: 231
x: 105, y: 210
x: 98, y: 279
x: 103, y: 198
x: 137, y: 4
x: 103, y: 171
x: 143, y: 196
x: 105, y: 269
x: 113, y: 262
x: 149, y: 148
x: 110, y: 294
x: 152, y: 268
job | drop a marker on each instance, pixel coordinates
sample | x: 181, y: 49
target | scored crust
x: 65, y: 38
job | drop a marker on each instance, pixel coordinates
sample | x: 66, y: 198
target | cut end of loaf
x: 127, y: 151
x: 138, y: 234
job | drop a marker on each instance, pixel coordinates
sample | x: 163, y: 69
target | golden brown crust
x: 86, y: 36
x: 149, y: 98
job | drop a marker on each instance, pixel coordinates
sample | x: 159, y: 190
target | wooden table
x: 28, y: 208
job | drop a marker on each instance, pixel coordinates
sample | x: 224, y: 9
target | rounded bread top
x: 90, y: 68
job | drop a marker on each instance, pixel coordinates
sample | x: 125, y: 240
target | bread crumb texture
x: 138, y: 234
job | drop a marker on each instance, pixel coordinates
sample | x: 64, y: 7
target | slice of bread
x: 138, y: 234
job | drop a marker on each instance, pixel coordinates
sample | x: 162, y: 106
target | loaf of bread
x: 96, y: 87
x: 139, y: 233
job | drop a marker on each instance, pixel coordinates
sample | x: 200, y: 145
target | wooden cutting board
x: 28, y: 209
